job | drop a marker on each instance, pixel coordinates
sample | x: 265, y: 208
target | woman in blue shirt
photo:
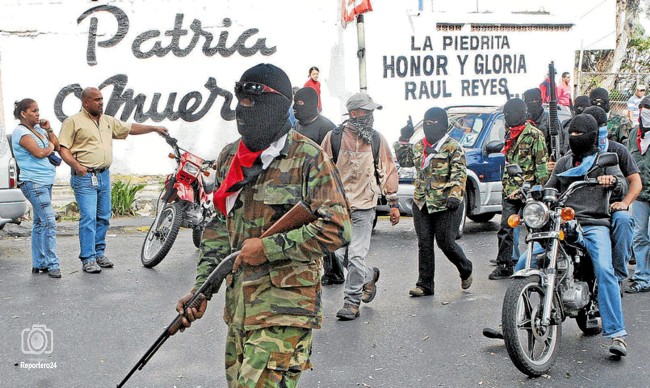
x: 33, y: 141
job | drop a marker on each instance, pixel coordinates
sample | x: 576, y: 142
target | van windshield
x: 466, y: 127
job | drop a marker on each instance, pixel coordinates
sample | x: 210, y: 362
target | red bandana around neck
x: 514, y: 134
x: 243, y: 158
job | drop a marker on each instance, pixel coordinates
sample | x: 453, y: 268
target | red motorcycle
x: 185, y: 201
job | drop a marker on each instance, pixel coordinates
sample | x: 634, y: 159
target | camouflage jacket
x: 285, y: 290
x: 444, y: 177
x: 529, y: 152
x: 619, y: 128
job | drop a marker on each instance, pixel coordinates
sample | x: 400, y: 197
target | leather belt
x: 91, y: 170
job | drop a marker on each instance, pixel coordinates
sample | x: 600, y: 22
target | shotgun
x: 553, y: 128
x: 297, y: 216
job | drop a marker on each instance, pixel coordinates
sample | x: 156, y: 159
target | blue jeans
x: 358, y: 272
x: 95, y: 212
x: 622, y: 233
x: 44, y: 225
x: 596, y: 240
x: 641, y: 212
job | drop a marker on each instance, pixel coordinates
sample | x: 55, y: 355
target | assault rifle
x: 297, y: 216
x: 553, y: 129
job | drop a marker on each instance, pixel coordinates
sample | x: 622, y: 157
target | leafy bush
x: 123, y: 196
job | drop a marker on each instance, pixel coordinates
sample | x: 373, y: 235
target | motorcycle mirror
x: 513, y: 170
x: 607, y: 159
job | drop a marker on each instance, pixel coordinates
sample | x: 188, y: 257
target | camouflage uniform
x: 529, y: 152
x: 444, y: 177
x: 285, y: 292
x: 619, y: 128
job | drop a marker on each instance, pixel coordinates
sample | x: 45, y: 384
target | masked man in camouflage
x: 273, y: 300
x: 525, y: 146
x: 441, y: 174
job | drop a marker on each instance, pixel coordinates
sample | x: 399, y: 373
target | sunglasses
x: 254, y: 89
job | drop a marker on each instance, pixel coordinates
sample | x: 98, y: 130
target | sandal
x: 635, y: 288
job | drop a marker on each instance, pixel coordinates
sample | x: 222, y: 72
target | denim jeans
x: 515, y: 243
x: 95, y: 212
x: 622, y: 233
x: 44, y: 225
x: 596, y: 239
x: 641, y: 212
x: 358, y: 272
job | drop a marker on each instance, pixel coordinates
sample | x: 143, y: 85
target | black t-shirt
x: 625, y: 160
x: 317, y: 129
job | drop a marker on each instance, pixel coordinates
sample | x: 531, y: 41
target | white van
x: 13, y: 204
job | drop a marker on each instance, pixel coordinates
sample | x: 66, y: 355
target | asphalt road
x: 102, y: 324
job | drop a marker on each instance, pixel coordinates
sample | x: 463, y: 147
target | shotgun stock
x: 296, y: 217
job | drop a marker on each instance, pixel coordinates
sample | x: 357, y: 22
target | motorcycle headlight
x: 191, y: 169
x: 535, y: 214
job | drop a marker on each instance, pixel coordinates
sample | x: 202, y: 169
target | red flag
x: 351, y: 8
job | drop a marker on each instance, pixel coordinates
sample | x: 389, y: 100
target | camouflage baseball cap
x: 361, y: 101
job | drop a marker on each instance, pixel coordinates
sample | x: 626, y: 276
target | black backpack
x: 335, y: 139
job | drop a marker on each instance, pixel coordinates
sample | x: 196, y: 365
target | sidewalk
x: 71, y: 228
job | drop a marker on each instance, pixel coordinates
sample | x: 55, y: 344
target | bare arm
x: 45, y: 124
x: 28, y: 143
x: 632, y: 193
x: 140, y: 129
x: 67, y: 157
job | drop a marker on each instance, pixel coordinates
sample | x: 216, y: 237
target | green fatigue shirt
x: 285, y: 290
x: 443, y: 177
x: 619, y: 128
x: 529, y: 152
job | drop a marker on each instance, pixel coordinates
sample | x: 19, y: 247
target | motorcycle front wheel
x: 161, y: 235
x: 197, y: 234
x: 532, y: 347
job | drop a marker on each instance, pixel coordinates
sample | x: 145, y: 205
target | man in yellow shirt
x: 86, y: 140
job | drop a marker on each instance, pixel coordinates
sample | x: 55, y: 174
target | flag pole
x: 361, y: 54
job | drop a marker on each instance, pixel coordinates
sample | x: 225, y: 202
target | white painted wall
x: 44, y: 49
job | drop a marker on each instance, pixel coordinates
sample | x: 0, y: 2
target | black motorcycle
x: 557, y: 283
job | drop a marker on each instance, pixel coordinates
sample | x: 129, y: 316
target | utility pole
x: 361, y: 54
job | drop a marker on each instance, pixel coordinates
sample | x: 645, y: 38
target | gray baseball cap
x: 361, y: 101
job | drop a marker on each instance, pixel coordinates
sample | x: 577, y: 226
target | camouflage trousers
x: 269, y: 357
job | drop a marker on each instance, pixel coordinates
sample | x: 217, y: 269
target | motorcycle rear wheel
x: 197, y: 234
x: 161, y: 235
x: 531, y: 347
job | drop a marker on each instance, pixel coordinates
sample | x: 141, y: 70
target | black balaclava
x: 581, y: 103
x: 600, y: 97
x: 515, y: 112
x: 305, y: 104
x: 598, y: 113
x: 268, y: 119
x: 533, y: 100
x: 585, y: 143
x: 436, y: 130
x: 644, y: 114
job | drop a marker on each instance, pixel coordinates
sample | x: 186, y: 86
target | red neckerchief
x: 639, y: 136
x: 243, y: 158
x: 514, y: 134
